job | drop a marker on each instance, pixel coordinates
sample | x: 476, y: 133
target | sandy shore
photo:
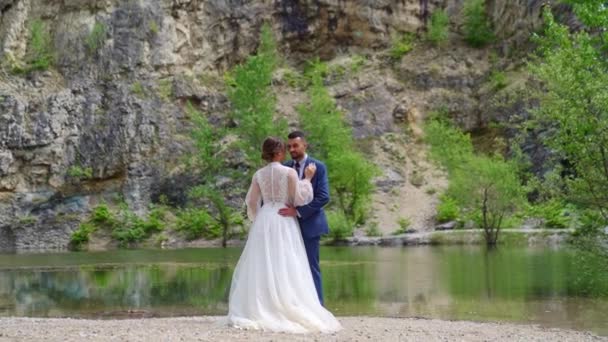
x: 210, y: 329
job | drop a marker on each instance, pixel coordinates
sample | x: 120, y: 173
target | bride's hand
x: 310, y: 170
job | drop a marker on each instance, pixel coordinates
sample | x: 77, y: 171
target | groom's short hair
x: 297, y: 134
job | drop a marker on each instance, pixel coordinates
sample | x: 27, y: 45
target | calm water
x: 558, y: 288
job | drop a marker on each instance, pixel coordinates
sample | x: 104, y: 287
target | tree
x: 477, y: 27
x: 209, y: 164
x: 253, y: 103
x: 439, y: 27
x: 485, y: 185
x: 350, y: 173
x: 574, y: 107
x: 489, y: 186
x: 594, y: 13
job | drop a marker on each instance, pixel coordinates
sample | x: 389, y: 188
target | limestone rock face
x: 108, y: 117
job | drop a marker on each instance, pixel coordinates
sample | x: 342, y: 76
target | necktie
x: 298, y: 168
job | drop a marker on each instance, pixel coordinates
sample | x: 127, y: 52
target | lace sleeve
x: 253, y: 198
x: 300, y: 191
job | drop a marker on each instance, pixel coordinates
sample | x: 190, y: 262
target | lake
x: 551, y: 287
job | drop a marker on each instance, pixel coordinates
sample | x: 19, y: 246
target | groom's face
x: 297, y: 148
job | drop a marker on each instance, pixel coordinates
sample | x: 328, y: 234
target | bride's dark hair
x: 271, y: 147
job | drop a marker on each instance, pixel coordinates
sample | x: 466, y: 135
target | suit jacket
x: 313, y: 221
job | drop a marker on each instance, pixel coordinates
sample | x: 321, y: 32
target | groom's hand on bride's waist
x: 288, y: 211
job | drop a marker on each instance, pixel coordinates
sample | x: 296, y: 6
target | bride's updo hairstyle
x: 271, y: 147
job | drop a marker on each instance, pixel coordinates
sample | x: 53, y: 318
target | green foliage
x: 341, y: 228
x: 401, y: 46
x: 351, y: 176
x: 574, y: 110
x: 81, y: 236
x: 206, y: 140
x: 447, y: 210
x: 130, y: 228
x: 439, y: 27
x: 349, y: 172
x: 593, y: 13
x: 487, y: 184
x: 512, y: 221
x: 449, y: 145
x: 477, y: 27
x: 404, y: 224
x: 125, y: 226
x: 102, y: 215
x: 591, y: 265
x: 95, y: 38
x: 223, y: 215
x: 252, y: 98
x: 39, y: 55
x: 209, y: 164
x: 196, y: 223
x: 165, y: 89
x: 78, y: 172
x: 498, y: 80
x: 153, y: 26
x: 372, y: 229
x: 590, y: 223
x: 294, y: 79
x: 331, y: 73
x: 28, y: 219
x: 357, y: 63
x: 554, y: 214
x: 138, y: 89
x: 491, y: 185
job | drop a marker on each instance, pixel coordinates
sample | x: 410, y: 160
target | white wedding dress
x: 272, y: 287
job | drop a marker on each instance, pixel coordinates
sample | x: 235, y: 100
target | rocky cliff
x: 107, y: 118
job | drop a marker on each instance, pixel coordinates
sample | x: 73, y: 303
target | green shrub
x: 357, y: 63
x: 439, y: 27
x: 102, y: 215
x: 372, y: 229
x: 125, y: 226
x: 339, y: 227
x: 196, y: 223
x: 81, y: 235
x: 79, y: 172
x: 294, y: 79
x: 138, y: 89
x: 131, y: 228
x: 447, y: 210
x: 590, y: 223
x: 553, y: 213
x: 165, y: 89
x: 153, y: 26
x: 39, y: 54
x: 477, y: 27
x: 498, y: 79
x: 404, y: 223
x: 401, y: 46
x: 95, y: 38
x: 127, y: 235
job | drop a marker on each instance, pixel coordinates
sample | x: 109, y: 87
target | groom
x: 313, y: 222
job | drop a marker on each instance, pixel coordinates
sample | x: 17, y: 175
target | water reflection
x: 524, y: 285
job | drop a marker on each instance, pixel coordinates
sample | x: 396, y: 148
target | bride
x: 272, y: 287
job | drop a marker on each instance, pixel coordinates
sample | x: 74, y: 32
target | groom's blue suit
x: 313, y: 222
